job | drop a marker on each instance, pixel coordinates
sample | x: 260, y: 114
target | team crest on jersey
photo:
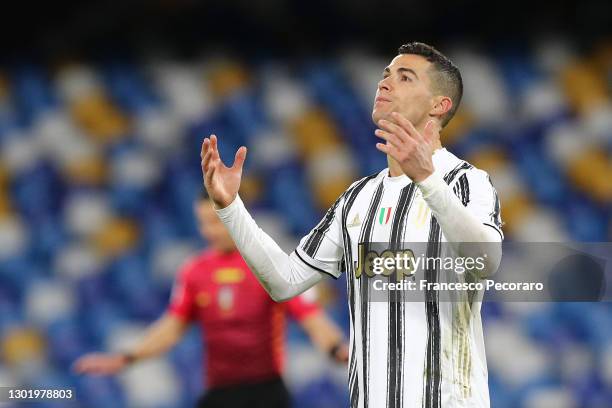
x: 384, y: 215
x: 356, y: 222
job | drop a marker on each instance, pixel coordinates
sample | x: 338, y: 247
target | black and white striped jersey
x: 405, y: 354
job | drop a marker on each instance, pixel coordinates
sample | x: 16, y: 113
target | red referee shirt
x: 243, y: 327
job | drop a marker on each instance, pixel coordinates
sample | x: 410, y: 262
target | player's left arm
x: 322, y: 331
x: 462, y: 225
x: 470, y: 230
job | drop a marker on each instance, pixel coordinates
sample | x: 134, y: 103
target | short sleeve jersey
x: 243, y: 327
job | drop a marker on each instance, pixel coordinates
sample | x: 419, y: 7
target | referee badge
x: 225, y: 298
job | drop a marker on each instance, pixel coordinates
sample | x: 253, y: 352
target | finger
x: 213, y: 145
x: 240, y: 158
x: 395, y: 129
x: 206, y: 162
x: 406, y: 125
x: 388, y: 149
x: 389, y: 137
x: 205, y: 146
x: 208, y: 176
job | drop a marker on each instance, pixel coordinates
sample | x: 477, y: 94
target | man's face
x: 211, y: 227
x: 404, y: 89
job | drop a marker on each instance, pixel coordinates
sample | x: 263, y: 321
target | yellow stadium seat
x: 327, y: 192
x: 20, y: 345
x: 91, y: 172
x: 514, y: 210
x: 5, y: 204
x: 116, y: 237
x: 99, y: 118
x: 457, y: 128
x: 4, y: 177
x: 250, y: 189
x: 592, y: 172
x: 313, y: 132
x: 584, y: 87
x: 488, y: 159
x: 227, y: 79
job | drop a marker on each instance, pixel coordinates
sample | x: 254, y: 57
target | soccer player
x: 402, y: 354
x: 243, y: 328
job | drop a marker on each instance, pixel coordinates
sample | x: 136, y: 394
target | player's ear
x: 441, y: 105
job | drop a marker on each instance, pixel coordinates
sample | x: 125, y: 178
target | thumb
x: 240, y: 158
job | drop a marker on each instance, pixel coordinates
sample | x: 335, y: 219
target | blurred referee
x: 402, y: 354
x: 243, y: 327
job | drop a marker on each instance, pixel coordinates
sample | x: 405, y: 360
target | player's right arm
x: 282, y: 276
x: 159, y: 338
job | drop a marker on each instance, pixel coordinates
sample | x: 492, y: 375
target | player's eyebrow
x: 401, y: 69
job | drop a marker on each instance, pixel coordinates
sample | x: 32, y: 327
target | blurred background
x: 103, y: 107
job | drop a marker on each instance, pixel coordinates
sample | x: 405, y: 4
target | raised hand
x: 411, y: 149
x: 221, y: 182
x: 100, y: 364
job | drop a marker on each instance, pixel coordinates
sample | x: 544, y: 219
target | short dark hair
x: 446, y: 76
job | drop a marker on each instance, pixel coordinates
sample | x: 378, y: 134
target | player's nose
x: 383, y: 85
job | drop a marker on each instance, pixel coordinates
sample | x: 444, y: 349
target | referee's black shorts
x: 267, y: 394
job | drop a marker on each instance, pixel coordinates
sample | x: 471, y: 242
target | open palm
x: 221, y: 182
